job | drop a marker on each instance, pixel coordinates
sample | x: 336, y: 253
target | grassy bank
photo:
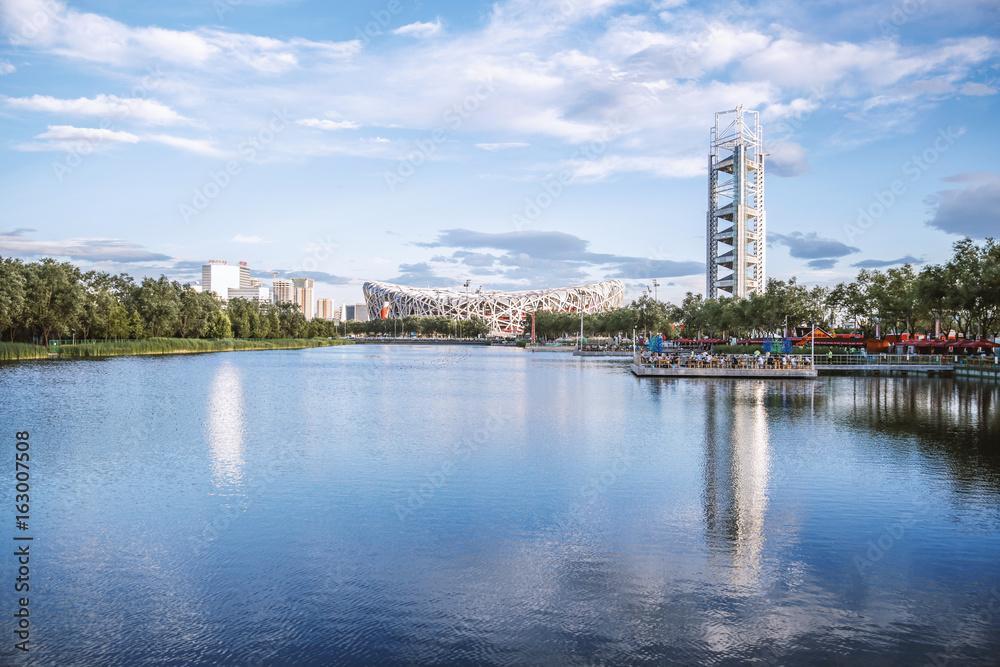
x: 15, y: 351
x: 187, y: 345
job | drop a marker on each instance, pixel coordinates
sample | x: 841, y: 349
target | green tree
x: 119, y: 323
x: 159, y: 303
x: 137, y: 327
x: 197, y: 311
x: 12, y: 294
x: 53, y: 297
x: 221, y: 327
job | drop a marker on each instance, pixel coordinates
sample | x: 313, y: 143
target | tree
x: 12, y: 294
x: 197, y: 310
x: 159, y: 303
x: 221, y: 327
x: 99, y: 303
x: 137, y: 328
x: 53, y: 297
x: 119, y: 323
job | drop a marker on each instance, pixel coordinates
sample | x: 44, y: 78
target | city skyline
x: 519, y: 145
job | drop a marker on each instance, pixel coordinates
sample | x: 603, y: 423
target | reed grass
x: 16, y: 351
x: 189, y: 345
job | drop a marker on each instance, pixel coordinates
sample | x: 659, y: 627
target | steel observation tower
x: 736, y: 223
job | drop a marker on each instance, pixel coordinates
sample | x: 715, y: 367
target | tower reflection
x: 735, y: 470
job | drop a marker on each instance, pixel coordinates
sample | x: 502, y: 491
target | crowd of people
x: 673, y: 359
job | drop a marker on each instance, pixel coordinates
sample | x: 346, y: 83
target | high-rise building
x: 260, y: 293
x: 736, y: 204
x: 283, y: 292
x: 217, y: 276
x: 229, y: 282
x: 324, y: 309
x: 361, y: 312
x: 302, y: 292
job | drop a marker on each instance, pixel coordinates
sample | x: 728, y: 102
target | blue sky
x: 519, y: 143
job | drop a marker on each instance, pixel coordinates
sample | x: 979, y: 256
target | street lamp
x: 655, y: 285
x: 468, y: 310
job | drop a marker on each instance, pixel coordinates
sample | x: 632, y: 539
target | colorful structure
x: 504, y: 312
x: 736, y: 221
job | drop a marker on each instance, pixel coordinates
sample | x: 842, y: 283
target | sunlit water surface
x: 405, y: 505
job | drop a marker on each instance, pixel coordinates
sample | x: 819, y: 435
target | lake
x: 406, y: 505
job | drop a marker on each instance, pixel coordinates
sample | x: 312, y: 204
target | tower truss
x: 736, y: 222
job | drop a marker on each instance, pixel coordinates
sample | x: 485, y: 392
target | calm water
x: 394, y: 505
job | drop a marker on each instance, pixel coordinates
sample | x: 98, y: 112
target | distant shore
x: 126, y: 348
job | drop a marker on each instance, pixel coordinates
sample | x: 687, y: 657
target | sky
x: 517, y: 144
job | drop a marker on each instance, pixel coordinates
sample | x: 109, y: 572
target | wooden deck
x: 749, y: 373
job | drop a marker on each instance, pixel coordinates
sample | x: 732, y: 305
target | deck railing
x: 884, y: 360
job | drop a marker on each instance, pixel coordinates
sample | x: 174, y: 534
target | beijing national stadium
x: 503, y: 312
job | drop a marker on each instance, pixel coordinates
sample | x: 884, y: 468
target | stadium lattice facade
x: 503, y: 312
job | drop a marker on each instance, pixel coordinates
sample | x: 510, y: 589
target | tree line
x: 48, y: 299
x: 961, y: 294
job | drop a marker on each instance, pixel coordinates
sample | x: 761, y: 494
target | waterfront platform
x: 602, y: 353
x: 642, y: 370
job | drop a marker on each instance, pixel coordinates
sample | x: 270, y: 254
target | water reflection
x: 735, y: 471
x: 226, y: 426
x: 953, y: 420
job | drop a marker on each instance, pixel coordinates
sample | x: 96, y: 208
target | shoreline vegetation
x: 124, y: 348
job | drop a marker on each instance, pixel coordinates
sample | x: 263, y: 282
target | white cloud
x: 420, y: 30
x: 667, y: 167
x: 204, y: 147
x: 102, y: 106
x: 240, y: 238
x: 787, y: 158
x: 324, y: 124
x: 541, y: 70
x: 95, y: 250
x: 972, y: 88
x: 503, y: 146
x: 6, y: 68
x: 51, y: 26
x: 92, y: 134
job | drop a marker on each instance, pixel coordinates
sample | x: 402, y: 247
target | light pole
x: 812, y: 346
x: 655, y: 285
x: 468, y: 310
